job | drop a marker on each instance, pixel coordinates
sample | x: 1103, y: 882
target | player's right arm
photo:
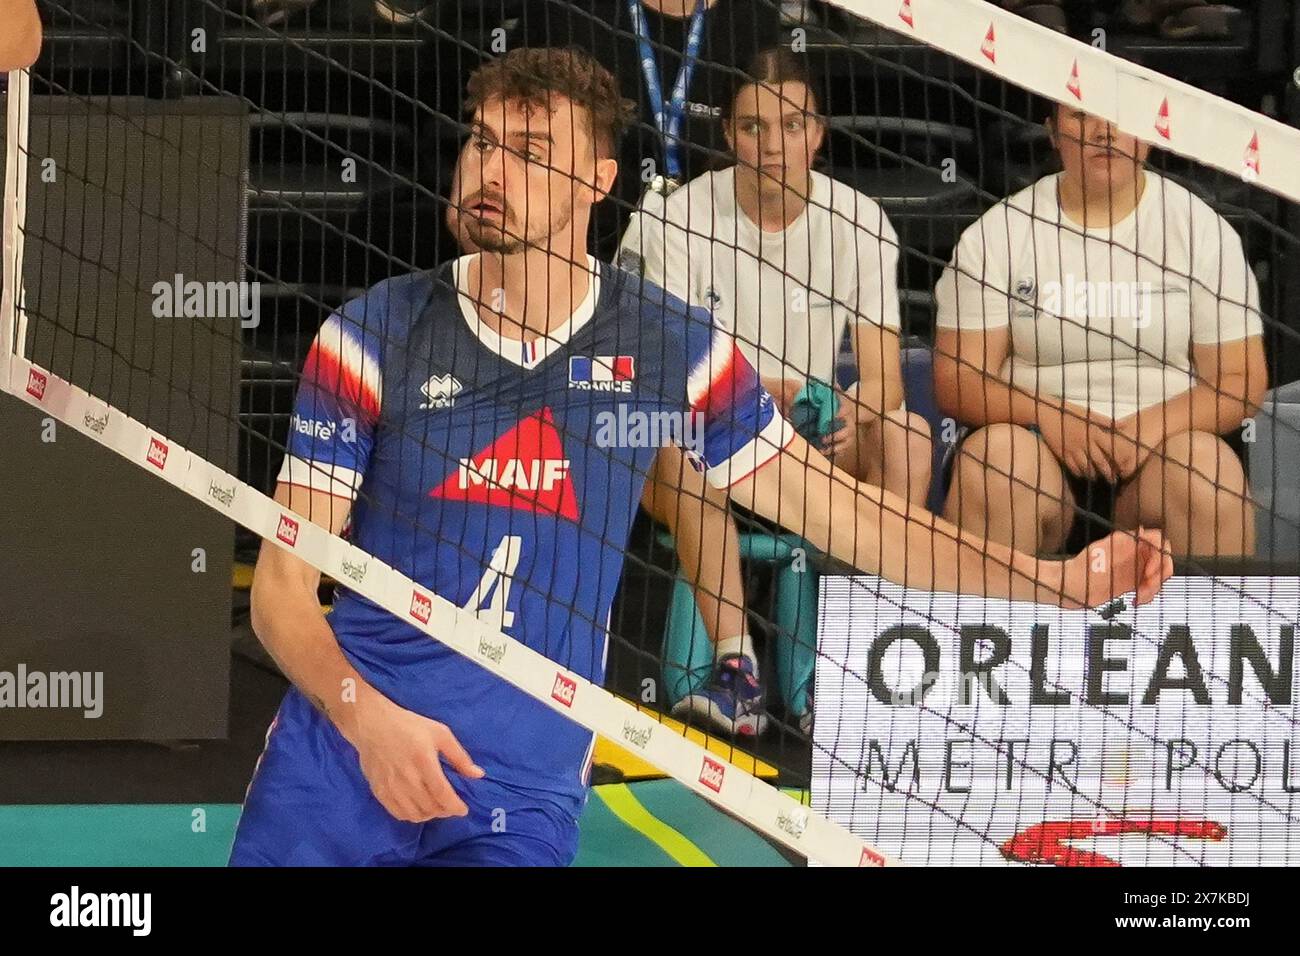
x: 336, y: 414
x: 20, y: 40
x: 399, y: 750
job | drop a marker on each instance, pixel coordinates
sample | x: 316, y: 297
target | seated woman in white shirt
x: 1100, y: 331
x: 786, y: 259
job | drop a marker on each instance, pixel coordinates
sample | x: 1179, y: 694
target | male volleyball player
x: 450, y: 416
x: 20, y: 37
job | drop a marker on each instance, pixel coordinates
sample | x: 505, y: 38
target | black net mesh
x: 208, y: 184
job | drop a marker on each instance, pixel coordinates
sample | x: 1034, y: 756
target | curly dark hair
x: 536, y: 74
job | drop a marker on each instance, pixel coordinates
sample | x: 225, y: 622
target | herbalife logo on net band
x: 95, y: 423
x: 354, y: 571
x: 627, y: 426
x: 223, y: 495
x: 179, y: 299
x: 792, y: 821
x: 53, y: 690
x: 491, y: 650
x: 638, y: 737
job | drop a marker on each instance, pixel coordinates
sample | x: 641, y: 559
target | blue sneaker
x: 732, y: 700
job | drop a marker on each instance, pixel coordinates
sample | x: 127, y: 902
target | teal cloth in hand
x: 814, y: 410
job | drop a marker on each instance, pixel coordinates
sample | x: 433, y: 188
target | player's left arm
x: 881, y: 533
x: 20, y: 40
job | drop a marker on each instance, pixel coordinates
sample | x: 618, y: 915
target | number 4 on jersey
x: 490, y: 601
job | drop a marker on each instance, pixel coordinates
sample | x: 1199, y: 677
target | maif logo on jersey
x: 525, y: 469
x: 602, y: 373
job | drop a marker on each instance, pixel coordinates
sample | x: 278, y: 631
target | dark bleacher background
x: 335, y: 82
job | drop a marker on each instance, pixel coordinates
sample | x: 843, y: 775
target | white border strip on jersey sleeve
x: 1156, y: 108
x: 13, y: 218
x: 590, y: 705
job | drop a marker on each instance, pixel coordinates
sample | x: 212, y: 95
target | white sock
x: 741, y: 644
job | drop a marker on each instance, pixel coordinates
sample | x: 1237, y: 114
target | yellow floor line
x: 624, y: 805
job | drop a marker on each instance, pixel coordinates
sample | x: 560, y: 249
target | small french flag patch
x: 606, y: 373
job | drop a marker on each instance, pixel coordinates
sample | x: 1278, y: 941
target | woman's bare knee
x: 1008, y: 486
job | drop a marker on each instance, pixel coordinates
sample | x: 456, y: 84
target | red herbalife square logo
x: 711, y: 774
x: 36, y: 382
x: 421, y: 607
x: 288, y: 531
x: 564, y: 689
x: 157, y: 453
x: 870, y: 858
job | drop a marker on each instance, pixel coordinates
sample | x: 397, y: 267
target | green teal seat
x: 688, y: 654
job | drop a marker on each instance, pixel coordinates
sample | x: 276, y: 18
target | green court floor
x: 652, y: 823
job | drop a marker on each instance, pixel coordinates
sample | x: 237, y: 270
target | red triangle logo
x: 525, y: 468
x: 1162, y: 119
x: 905, y: 13
x: 1252, y: 155
x: 1073, y: 84
x: 988, y: 47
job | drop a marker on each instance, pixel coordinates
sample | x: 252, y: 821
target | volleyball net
x: 985, y: 218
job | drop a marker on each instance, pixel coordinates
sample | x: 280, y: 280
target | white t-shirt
x: 1102, y: 317
x: 786, y: 296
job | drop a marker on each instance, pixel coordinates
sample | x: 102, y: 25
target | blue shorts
x: 310, y: 805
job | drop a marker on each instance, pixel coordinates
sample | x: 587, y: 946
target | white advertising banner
x: 962, y: 730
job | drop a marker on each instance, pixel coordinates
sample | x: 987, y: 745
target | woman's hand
x: 1083, y: 441
x: 1134, y: 443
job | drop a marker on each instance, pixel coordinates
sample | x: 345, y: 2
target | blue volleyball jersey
x: 505, y: 475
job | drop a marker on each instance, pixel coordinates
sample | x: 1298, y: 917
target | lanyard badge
x: 664, y: 185
x: 668, y: 113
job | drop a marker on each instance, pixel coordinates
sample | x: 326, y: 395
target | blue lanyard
x: 668, y: 115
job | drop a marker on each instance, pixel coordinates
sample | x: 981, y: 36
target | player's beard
x: 499, y: 237
x: 506, y: 240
